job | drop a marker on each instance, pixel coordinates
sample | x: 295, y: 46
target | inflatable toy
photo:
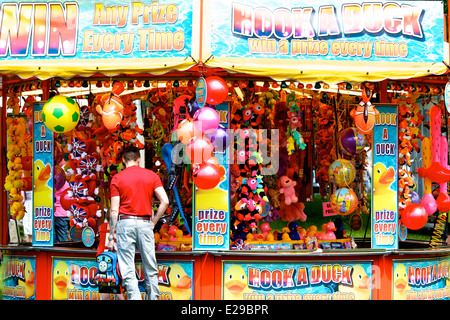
x: 60, y: 114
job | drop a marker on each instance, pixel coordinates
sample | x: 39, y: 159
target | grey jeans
x: 132, y: 234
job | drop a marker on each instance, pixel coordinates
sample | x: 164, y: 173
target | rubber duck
x: 311, y: 231
x: 235, y: 283
x: 293, y: 230
x: 401, y: 284
x: 327, y: 232
x: 61, y: 281
x: 172, y: 230
x: 28, y: 282
x: 42, y: 192
x: 265, y: 229
x: 382, y: 180
x: 180, y: 283
x: 270, y: 237
x: 361, y: 288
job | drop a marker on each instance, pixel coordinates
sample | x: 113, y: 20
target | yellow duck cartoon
x: 235, y: 284
x: 42, y: 192
x: 61, y: 281
x: 180, y: 283
x: 401, y: 284
x: 28, y: 282
x: 382, y: 180
x: 361, y: 288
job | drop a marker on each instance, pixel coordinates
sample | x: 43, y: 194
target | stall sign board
x: 212, y: 207
x: 42, y: 180
x: 18, y: 277
x: 78, y: 275
x: 257, y: 280
x: 113, y: 29
x: 406, y: 31
x: 385, y: 179
x: 422, y: 279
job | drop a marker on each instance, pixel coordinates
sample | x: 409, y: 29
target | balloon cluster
x: 202, y: 135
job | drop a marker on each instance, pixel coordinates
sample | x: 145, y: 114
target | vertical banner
x: 212, y: 207
x: 18, y: 278
x: 42, y: 180
x: 385, y: 179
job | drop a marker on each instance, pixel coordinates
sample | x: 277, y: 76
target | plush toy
x: 288, y: 190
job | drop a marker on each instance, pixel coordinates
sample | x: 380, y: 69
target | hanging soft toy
x: 365, y: 114
x: 111, y: 110
x: 288, y: 190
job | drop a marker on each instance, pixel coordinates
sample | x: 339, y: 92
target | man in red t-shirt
x: 132, y: 191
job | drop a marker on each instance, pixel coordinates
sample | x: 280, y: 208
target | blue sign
x: 42, y: 180
x: 385, y: 179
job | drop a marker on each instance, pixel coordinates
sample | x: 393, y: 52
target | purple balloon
x: 192, y: 107
x: 220, y: 138
x: 415, y: 198
x: 59, y: 177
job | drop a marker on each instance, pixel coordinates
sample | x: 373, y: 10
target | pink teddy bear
x: 287, y: 188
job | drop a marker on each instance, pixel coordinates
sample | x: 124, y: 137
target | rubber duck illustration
x: 42, y: 192
x: 401, y: 284
x: 235, y: 283
x: 28, y: 282
x: 382, y: 180
x: 61, y: 281
x: 180, y: 283
x: 361, y: 288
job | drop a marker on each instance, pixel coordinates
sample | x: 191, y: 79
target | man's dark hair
x: 131, y: 153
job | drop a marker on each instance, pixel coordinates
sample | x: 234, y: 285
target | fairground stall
x: 303, y: 147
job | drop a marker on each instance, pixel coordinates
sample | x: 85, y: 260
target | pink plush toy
x: 287, y: 188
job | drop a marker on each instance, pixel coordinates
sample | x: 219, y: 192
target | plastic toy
x: 342, y: 172
x: 111, y: 109
x: 351, y: 141
x: 108, y: 273
x: 344, y: 201
x: 364, y: 115
x: 328, y: 232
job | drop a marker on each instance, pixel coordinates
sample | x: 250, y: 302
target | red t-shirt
x: 135, y: 187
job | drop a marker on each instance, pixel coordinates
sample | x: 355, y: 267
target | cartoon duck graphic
x: 61, y: 281
x: 235, y: 283
x: 42, y: 192
x: 180, y: 283
x: 382, y: 180
x: 28, y: 282
x: 401, y: 284
x: 361, y: 288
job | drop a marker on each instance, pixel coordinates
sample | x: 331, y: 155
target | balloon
x: 342, y: 172
x: 351, y: 141
x: 343, y: 201
x: 415, y: 198
x: 429, y: 203
x: 216, y: 90
x: 414, y: 216
x: 186, y: 131
x: 192, y: 107
x: 214, y: 161
x: 118, y: 88
x: 112, y: 112
x: 220, y: 138
x: 59, y: 177
x: 206, y: 176
x: 199, y: 150
x: 60, y: 114
x: 206, y: 119
x: 443, y: 202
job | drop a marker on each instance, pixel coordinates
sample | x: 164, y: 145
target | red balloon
x: 118, y: 88
x: 199, y: 150
x: 414, y: 216
x: 206, y: 176
x: 216, y: 90
x: 443, y: 202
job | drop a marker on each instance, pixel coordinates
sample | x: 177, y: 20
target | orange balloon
x: 186, y: 131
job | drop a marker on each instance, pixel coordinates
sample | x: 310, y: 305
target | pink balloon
x: 216, y: 90
x: 199, y: 150
x: 429, y: 203
x: 206, y: 119
x: 414, y: 216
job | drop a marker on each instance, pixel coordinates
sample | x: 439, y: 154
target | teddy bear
x: 287, y: 188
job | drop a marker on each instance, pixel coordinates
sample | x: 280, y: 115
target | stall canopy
x: 331, y: 41
x: 54, y: 38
